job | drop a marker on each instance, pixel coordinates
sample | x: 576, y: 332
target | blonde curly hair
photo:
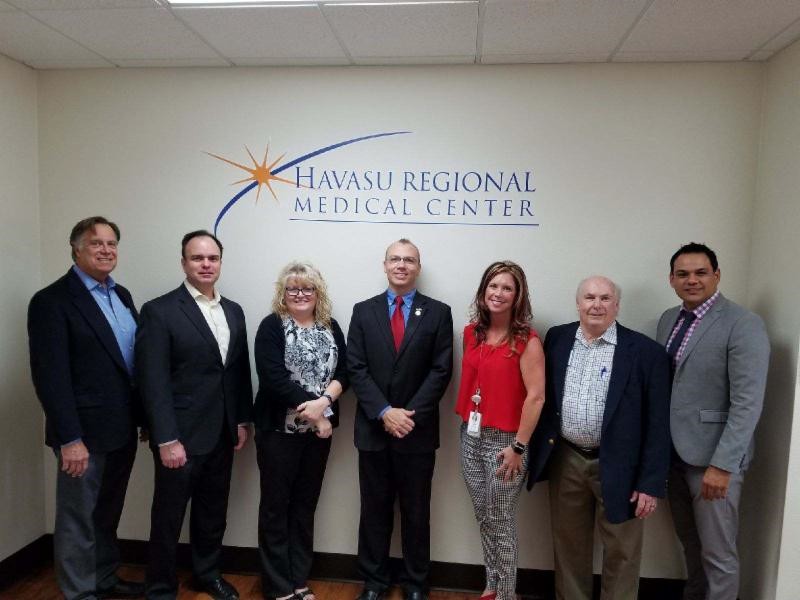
x: 303, y: 273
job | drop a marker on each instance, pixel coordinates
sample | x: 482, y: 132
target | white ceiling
x: 57, y: 34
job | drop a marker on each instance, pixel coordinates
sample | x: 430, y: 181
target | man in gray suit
x: 720, y: 354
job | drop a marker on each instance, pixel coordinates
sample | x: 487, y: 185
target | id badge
x: 474, y: 424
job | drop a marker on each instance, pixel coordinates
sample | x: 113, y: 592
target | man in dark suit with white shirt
x: 194, y: 370
x: 399, y: 357
x: 81, y: 330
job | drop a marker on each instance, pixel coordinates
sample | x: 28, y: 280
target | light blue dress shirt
x: 118, y: 315
x: 408, y: 299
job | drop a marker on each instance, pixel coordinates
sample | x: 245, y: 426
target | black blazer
x: 188, y: 394
x: 415, y: 378
x: 276, y: 391
x: 634, y: 442
x: 78, y: 370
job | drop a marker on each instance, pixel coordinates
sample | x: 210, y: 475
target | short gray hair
x: 617, y: 289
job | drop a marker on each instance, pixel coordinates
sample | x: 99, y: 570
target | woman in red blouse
x: 499, y: 399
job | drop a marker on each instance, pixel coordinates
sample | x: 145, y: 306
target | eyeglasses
x: 396, y: 260
x: 303, y: 291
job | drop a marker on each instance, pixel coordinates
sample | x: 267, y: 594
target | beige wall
x: 621, y: 154
x: 771, y: 537
x: 21, y: 480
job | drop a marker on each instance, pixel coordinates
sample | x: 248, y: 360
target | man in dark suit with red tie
x: 194, y: 369
x: 81, y: 330
x: 400, y: 358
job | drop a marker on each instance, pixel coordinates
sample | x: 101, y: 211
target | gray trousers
x: 88, y: 509
x: 707, y: 529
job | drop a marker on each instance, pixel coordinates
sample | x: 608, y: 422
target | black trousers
x: 206, y: 479
x: 385, y: 475
x: 292, y: 466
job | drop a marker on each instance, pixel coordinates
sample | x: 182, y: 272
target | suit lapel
x: 562, y: 350
x: 230, y: 317
x: 620, y: 372
x: 192, y: 312
x: 380, y: 311
x: 87, y: 306
x: 418, y: 312
x: 702, y: 328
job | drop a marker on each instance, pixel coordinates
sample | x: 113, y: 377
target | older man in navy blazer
x: 81, y: 330
x: 400, y: 358
x: 604, y: 438
x: 720, y: 355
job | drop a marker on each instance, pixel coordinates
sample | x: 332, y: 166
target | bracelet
x: 518, y: 447
x: 329, y: 397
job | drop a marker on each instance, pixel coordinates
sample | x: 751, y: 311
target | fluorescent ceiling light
x: 234, y: 3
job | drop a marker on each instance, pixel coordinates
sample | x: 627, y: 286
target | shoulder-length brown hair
x: 519, y: 325
x: 305, y: 273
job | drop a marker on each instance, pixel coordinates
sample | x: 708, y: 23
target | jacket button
x: 551, y: 441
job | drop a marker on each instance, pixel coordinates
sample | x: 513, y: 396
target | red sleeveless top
x: 495, y: 369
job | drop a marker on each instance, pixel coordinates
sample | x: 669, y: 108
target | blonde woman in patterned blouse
x: 300, y: 359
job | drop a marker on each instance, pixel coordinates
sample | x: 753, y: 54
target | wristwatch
x: 518, y: 447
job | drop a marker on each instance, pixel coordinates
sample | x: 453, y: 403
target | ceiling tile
x: 681, y: 56
x: 173, y: 62
x: 415, y: 60
x: 26, y: 39
x: 265, y: 32
x: 75, y: 4
x: 710, y: 26
x: 130, y: 33
x: 409, y: 30
x: 783, y: 39
x: 537, y: 27
x: 543, y: 58
x: 761, y: 55
x: 97, y: 63
x: 288, y: 62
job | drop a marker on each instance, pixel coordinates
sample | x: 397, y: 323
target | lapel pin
x: 418, y: 312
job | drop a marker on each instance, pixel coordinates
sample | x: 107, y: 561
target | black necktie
x: 677, y: 340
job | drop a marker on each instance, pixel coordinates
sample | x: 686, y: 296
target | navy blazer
x: 188, y: 393
x: 634, y: 441
x: 414, y: 377
x: 77, y: 368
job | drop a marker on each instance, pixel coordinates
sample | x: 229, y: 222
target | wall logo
x: 467, y: 197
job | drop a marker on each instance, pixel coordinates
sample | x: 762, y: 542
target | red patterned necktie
x: 398, y: 324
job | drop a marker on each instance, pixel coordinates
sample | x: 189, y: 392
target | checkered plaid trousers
x: 495, y: 504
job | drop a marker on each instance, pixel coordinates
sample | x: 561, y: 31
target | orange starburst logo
x: 261, y: 173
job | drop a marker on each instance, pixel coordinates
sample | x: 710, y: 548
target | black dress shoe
x: 370, y: 595
x: 218, y: 589
x: 416, y: 595
x: 123, y: 589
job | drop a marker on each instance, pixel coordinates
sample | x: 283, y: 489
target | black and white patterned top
x: 311, y: 357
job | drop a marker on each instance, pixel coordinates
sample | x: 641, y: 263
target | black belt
x: 587, y: 452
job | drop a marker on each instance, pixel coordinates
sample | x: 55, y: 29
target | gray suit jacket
x: 718, y: 387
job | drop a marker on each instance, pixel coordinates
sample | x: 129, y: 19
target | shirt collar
x: 89, y: 281
x: 701, y: 310
x: 408, y: 298
x: 198, y: 295
x: 609, y: 335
